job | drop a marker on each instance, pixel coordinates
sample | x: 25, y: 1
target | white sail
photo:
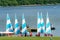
x: 38, y: 23
x: 17, y: 28
x: 48, y: 27
x: 23, y: 24
x: 9, y: 27
x: 42, y: 24
x: 24, y: 27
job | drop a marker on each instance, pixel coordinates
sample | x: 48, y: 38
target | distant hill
x: 27, y: 2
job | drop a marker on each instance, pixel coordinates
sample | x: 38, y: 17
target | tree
x: 26, y: 2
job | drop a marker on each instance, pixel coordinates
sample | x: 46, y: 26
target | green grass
x: 29, y: 38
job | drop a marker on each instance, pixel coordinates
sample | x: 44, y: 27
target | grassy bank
x: 29, y: 38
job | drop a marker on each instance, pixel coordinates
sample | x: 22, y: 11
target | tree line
x: 27, y: 2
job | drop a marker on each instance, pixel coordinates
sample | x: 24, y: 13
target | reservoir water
x: 30, y: 13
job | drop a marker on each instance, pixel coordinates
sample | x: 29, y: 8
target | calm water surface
x: 31, y: 16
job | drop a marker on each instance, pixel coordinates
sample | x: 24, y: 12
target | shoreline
x: 34, y: 5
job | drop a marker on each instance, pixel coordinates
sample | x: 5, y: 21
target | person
x: 51, y: 34
x: 20, y: 34
x: 25, y: 34
x: 45, y: 34
x: 30, y: 34
x: 38, y: 34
